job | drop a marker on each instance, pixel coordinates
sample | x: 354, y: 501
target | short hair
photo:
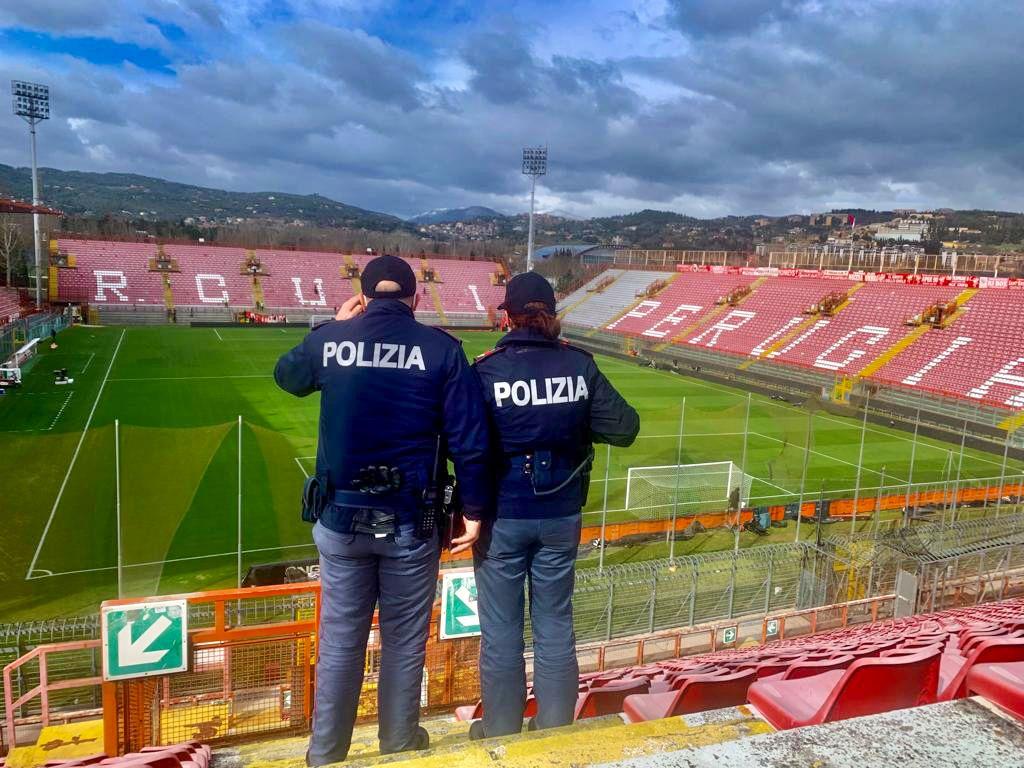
x: 387, y: 286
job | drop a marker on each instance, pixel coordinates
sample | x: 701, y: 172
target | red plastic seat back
x: 871, y: 686
x: 608, y: 700
x: 993, y: 650
x: 810, y: 668
x: 706, y: 692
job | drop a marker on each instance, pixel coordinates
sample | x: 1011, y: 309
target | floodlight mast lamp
x: 535, y: 163
x: 31, y: 102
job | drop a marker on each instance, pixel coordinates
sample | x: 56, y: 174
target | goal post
x: 315, y: 320
x: 691, y: 489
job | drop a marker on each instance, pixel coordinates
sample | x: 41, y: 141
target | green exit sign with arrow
x: 140, y: 639
x: 460, y: 616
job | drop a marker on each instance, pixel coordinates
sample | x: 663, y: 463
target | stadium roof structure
x: 8, y: 205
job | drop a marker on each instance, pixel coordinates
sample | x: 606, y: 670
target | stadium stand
x: 210, y: 276
x: 683, y: 303
x: 987, y: 334
x: 111, y: 273
x: 601, y: 307
x: 813, y: 679
x: 874, y: 320
x: 10, y: 305
x: 305, y: 279
x: 775, y: 310
x: 120, y: 274
x: 467, y: 286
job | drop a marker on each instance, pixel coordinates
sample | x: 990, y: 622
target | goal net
x: 315, y: 320
x: 689, y: 489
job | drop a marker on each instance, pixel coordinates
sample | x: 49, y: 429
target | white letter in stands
x: 915, y: 378
x: 102, y: 286
x: 818, y: 325
x: 643, y: 309
x: 318, y: 289
x: 875, y: 334
x: 1005, y: 376
x: 741, y: 316
x: 476, y: 298
x: 760, y: 348
x: 674, y: 318
x: 219, y: 280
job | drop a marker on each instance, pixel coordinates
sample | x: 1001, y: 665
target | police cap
x: 527, y: 288
x: 388, y: 268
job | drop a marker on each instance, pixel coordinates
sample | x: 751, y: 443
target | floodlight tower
x: 535, y: 163
x: 32, y: 102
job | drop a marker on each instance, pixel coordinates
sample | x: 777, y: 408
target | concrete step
x: 589, y: 742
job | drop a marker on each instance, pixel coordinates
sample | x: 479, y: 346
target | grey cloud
x: 367, y: 65
x: 866, y: 105
x: 714, y: 18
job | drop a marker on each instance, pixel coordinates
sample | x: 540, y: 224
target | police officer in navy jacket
x: 396, y: 397
x: 548, y: 403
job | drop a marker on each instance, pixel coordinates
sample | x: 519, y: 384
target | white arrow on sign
x: 469, y: 600
x: 132, y: 653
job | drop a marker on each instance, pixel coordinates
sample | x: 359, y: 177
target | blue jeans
x: 509, y: 552
x: 357, y: 572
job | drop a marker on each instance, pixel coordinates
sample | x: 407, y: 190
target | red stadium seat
x: 866, y: 687
x: 699, y: 693
x: 1002, y: 684
x: 476, y: 711
x: 607, y: 700
x: 954, y: 670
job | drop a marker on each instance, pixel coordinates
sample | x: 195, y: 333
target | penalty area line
x: 74, y: 458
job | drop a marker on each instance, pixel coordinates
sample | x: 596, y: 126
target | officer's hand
x: 467, y: 539
x: 352, y: 307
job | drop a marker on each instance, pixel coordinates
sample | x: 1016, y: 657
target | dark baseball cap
x: 526, y: 288
x: 388, y: 268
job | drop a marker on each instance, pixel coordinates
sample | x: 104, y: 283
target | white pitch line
x: 196, y: 378
x: 46, y: 574
x: 74, y: 458
x: 60, y: 411
x: 835, y: 458
x: 794, y: 408
x: 302, y: 468
x: 218, y: 334
x: 89, y: 362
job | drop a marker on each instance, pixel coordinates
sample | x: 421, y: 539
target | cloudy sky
x: 705, y: 107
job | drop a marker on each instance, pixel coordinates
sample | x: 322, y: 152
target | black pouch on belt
x: 313, y: 499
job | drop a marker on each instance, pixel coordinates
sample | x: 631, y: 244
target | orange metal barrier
x: 45, y: 687
x: 259, y: 679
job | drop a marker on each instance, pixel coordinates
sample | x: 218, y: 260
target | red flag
x: 851, y: 220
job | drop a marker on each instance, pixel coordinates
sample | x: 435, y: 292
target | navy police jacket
x: 389, y: 386
x: 548, y: 403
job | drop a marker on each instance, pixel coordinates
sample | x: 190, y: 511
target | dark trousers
x: 358, y: 572
x: 509, y: 552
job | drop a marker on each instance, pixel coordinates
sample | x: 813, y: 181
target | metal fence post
x: 654, y: 600
x: 693, y: 593
x: 604, y: 506
x: 803, y: 472
x: 611, y: 604
x: 675, y: 498
x: 860, y: 464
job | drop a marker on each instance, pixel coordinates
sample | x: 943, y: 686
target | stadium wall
x: 943, y: 418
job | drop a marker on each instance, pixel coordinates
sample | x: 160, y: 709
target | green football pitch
x: 177, y: 395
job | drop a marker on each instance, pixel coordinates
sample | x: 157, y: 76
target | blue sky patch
x: 95, y: 50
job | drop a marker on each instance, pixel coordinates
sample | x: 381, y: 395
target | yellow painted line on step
x: 568, y: 747
x: 894, y: 350
x: 60, y: 742
x: 1013, y: 423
